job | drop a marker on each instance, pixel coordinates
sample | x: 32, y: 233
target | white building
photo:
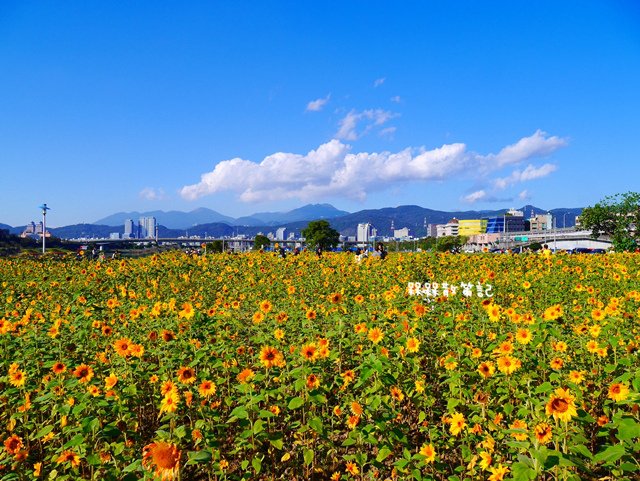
x: 146, y: 227
x: 365, y: 232
x: 280, y: 233
x: 129, y: 232
x: 448, y: 229
x: 401, y: 233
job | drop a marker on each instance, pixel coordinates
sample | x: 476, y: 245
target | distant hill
x: 307, y: 212
x: 173, y: 219
x: 5, y: 227
x: 411, y: 216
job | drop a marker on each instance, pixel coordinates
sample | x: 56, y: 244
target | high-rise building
x: 146, y: 227
x: 129, y: 232
x: 448, y: 229
x: 280, y: 233
x: 365, y: 232
x: 401, y: 233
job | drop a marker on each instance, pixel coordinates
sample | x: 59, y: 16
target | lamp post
x: 44, y: 224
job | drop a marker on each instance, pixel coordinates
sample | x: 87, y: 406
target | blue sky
x: 266, y: 106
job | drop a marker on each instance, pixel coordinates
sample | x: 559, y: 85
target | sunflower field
x: 237, y: 367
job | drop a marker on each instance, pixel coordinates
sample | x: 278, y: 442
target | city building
x: 129, y: 232
x: 401, y: 233
x: 146, y: 227
x: 505, y: 224
x: 114, y: 235
x: 469, y: 227
x: 431, y: 230
x: 448, y: 229
x: 541, y: 222
x: 280, y: 233
x: 365, y: 233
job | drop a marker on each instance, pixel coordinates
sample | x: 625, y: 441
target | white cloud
x: 475, y: 196
x: 149, y: 193
x: 538, y: 144
x: 529, y: 173
x: 396, y: 99
x: 371, y: 118
x: 333, y: 170
x: 379, y: 81
x: 318, y: 104
x: 524, y: 195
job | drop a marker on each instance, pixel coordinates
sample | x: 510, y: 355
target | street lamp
x: 44, y: 224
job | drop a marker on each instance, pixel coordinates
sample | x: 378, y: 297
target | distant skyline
x: 246, y: 107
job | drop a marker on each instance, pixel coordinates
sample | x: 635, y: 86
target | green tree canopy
x: 319, y: 233
x: 261, y: 241
x: 617, y: 216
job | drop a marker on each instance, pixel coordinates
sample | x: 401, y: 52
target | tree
x: 616, y: 216
x: 319, y: 233
x: 261, y: 241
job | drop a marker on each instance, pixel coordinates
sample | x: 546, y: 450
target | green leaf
x: 582, y: 450
x: 240, y: 413
x: 133, y: 466
x: 43, y: 432
x: 296, y: 402
x: 258, y: 426
x: 522, y: 472
x: 545, y: 387
x: 308, y: 455
x: 197, y: 457
x: 610, y: 455
x: 276, y: 440
x: 628, y: 429
x: 383, y: 454
x: 77, y: 440
x: 315, y: 423
x: 256, y: 462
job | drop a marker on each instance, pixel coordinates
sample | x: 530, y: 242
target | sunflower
x: 352, y: 469
x: 110, y: 381
x: 335, y: 298
x: 186, y: 375
x: 313, y: 381
x: 618, y: 392
x: 170, y: 402
x: 347, y: 376
x: 375, y: 335
x: 396, y: 393
x: 207, y: 388
x: 266, y: 306
x: 122, y: 346
x: 486, y: 369
x: 598, y: 314
x: 485, y: 460
x: 576, y: 377
x: 456, y: 423
x: 356, y: 408
x: 359, y: 299
x: 13, y: 444
x: 163, y: 458
x: 83, y: 372
x: 187, y: 311
x: 556, y: 363
x: 311, y: 314
x: 17, y: 378
x: 168, y: 335
x: 428, y: 452
x: 245, y: 375
x: 69, y: 457
x: 508, y: 364
x: 523, y: 336
x: 498, y: 473
x: 413, y: 345
x: 257, y: 317
x: 561, y: 405
x: 520, y: 425
x: 278, y: 334
x: 270, y: 357
x: 309, y: 352
x: 353, y: 421
x: 542, y: 432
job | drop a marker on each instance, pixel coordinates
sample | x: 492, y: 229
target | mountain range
x: 206, y: 222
